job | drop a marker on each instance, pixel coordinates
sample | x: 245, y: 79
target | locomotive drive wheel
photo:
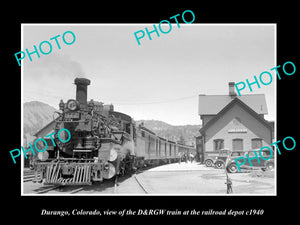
x: 232, y: 168
x: 209, y: 163
x: 219, y: 164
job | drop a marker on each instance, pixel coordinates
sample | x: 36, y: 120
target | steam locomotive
x: 104, y: 143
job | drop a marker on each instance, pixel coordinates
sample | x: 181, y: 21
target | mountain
x: 155, y: 125
x: 35, y: 116
x: 38, y: 114
x: 183, y: 133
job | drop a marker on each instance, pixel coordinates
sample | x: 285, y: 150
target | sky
x: 159, y: 79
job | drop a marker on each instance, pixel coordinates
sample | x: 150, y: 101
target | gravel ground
x: 196, y: 179
x: 174, y: 179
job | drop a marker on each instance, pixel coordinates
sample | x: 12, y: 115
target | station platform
x: 183, y: 166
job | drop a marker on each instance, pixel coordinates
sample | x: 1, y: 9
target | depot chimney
x: 231, y: 89
x: 81, y: 91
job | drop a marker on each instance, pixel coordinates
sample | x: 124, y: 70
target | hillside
x: 183, y: 133
x: 35, y: 116
x: 38, y: 114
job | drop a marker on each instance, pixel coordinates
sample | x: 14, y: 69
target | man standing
x: 228, y: 180
x: 228, y: 183
x: 179, y: 155
x: 185, y: 157
x: 191, y: 157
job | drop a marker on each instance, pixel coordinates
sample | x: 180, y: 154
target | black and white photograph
x: 134, y: 114
x: 104, y: 114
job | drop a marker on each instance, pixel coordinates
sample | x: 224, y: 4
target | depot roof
x: 213, y: 104
x: 228, y: 107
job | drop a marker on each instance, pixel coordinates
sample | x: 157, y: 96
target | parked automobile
x: 231, y: 166
x: 217, y: 159
x: 222, y: 158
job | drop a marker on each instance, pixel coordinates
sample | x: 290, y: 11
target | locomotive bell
x: 61, y: 105
x: 81, y: 90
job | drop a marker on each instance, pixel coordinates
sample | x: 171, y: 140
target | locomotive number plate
x: 73, y: 115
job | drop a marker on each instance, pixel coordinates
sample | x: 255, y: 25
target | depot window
x: 237, y: 144
x: 218, y: 144
x: 256, y: 143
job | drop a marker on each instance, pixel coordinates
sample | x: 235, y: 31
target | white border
x: 143, y: 24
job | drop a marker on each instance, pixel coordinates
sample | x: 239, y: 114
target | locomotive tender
x: 104, y: 143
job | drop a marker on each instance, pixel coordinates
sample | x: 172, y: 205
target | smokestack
x: 81, y: 91
x: 231, y: 89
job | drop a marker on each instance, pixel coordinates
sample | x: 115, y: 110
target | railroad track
x: 28, y: 175
x: 135, y: 184
x: 61, y: 187
x: 47, y: 189
x: 141, y: 184
x: 131, y: 183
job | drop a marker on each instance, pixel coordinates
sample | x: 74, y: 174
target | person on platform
x: 185, y: 157
x: 229, y: 184
x: 179, y: 157
x: 191, y: 157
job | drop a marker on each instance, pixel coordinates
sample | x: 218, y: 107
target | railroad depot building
x: 233, y: 122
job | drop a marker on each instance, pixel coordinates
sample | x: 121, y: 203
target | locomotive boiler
x: 103, y: 143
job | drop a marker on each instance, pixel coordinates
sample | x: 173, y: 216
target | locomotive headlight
x: 43, y: 156
x: 113, y: 155
x: 72, y: 104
